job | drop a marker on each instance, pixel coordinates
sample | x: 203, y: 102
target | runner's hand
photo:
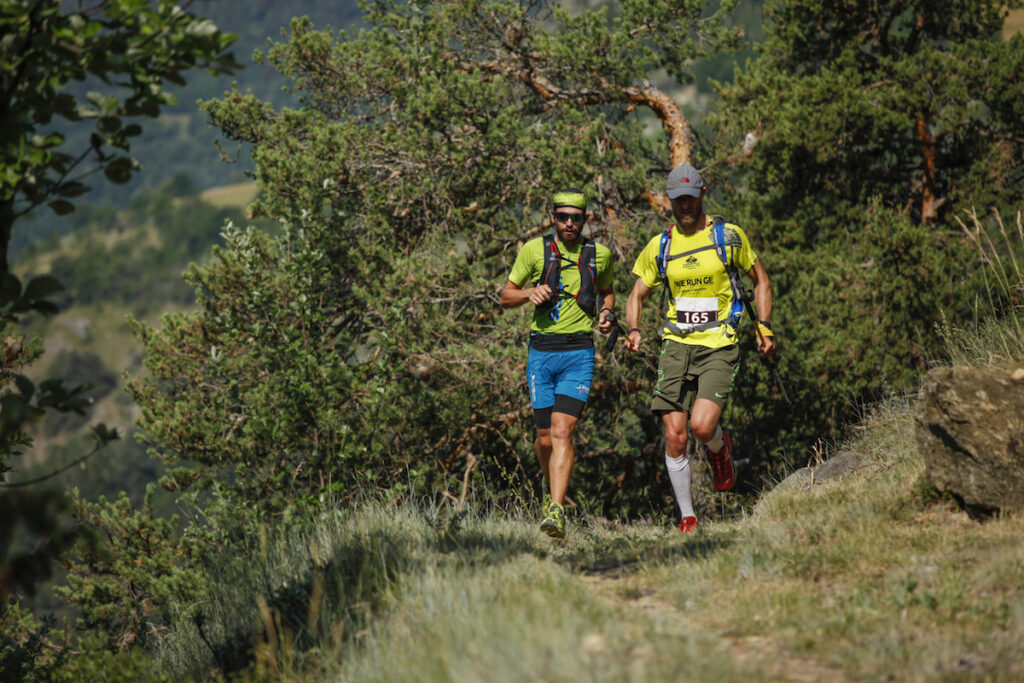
x: 540, y: 294
x: 633, y: 340
x: 766, y: 345
x: 605, y: 322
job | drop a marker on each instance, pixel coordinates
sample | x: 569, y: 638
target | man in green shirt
x: 701, y: 259
x: 568, y: 279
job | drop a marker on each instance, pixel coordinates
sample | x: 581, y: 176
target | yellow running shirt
x: 565, y: 317
x: 699, y: 284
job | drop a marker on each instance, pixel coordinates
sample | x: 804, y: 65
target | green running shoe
x: 554, y: 523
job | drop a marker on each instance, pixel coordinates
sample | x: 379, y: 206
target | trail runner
x: 699, y: 350
x: 568, y: 280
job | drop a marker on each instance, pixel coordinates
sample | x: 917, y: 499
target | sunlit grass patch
x: 238, y: 195
x: 1014, y: 24
x: 851, y: 578
x: 861, y: 576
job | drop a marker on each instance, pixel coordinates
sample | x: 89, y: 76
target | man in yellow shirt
x: 701, y: 258
x: 568, y: 279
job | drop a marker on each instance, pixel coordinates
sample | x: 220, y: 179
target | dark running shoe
x: 723, y: 469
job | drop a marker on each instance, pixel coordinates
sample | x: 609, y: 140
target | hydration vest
x: 586, y: 298
x: 739, y: 294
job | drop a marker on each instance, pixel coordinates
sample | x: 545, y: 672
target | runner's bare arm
x: 763, y: 301
x: 634, y: 306
x: 513, y: 296
x: 607, y: 302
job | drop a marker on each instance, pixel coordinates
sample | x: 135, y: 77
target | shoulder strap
x: 551, y: 268
x: 662, y: 258
x: 740, y: 296
x: 586, y: 299
x: 718, y: 230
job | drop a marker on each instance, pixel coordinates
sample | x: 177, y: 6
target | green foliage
x: 866, y: 320
x: 30, y: 649
x: 132, y: 47
x: 180, y: 141
x: 364, y: 347
x: 850, y: 103
x: 34, y: 649
x: 870, y: 122
x: 996, y: 340
x: 131, y: 577
x: 21, y: 400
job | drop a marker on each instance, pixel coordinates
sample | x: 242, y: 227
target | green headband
x: 570, y: 197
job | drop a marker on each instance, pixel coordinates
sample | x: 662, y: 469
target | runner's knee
x: 704, y: 420
x: 561, y: 432
x: 675, y: 440
x: 703, y: 430
x: 562, y: 425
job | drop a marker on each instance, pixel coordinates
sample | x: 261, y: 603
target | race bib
x: 693, y: 310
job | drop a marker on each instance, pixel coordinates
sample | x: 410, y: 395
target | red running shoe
x: 723, y: 469
x: 688, y: 524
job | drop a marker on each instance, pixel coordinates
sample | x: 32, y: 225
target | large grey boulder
x: 970, y: 430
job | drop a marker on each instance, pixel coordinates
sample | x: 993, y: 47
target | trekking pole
x: 613, y: 336
x: 771, y: 363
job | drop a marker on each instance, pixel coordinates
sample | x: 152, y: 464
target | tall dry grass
x: 865, y: 577
x: 998, y: 340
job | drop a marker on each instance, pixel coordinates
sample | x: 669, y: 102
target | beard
x: 688, y: 218
x: 569, y: 235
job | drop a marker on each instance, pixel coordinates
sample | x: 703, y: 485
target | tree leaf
x: 61, y: 207
x: 43, y: 286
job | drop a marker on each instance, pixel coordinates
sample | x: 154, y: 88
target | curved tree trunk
x: 680, y: 135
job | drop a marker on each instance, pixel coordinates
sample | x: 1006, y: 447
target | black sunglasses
x: 570, y: 217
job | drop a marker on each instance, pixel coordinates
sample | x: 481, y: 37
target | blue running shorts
x: 567, y: 373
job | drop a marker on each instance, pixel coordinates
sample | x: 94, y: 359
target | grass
x: 996, y: 341
x: 850, y: 579
x: 238, y: 195
x: 1014, y: 24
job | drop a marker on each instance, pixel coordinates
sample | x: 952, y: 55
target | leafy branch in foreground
x: 128, y: 49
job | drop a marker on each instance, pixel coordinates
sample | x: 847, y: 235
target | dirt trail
x: 768, y: 656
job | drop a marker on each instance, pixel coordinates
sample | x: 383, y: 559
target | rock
x: 799, y: 479
x: 843, y: 462
x: 970, y: 431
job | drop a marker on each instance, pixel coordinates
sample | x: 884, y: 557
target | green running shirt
x: 565, y: 316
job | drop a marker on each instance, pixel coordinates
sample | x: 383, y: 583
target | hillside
x: 180, y: 140
x: 348, y: 485
x: 868, y: 576
x: 120, y: 264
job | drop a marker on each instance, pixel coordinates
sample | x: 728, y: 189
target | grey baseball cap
x: 684, y: 179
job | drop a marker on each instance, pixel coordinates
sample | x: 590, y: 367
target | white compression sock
x: 679, y: 475
x: 716, y: 442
